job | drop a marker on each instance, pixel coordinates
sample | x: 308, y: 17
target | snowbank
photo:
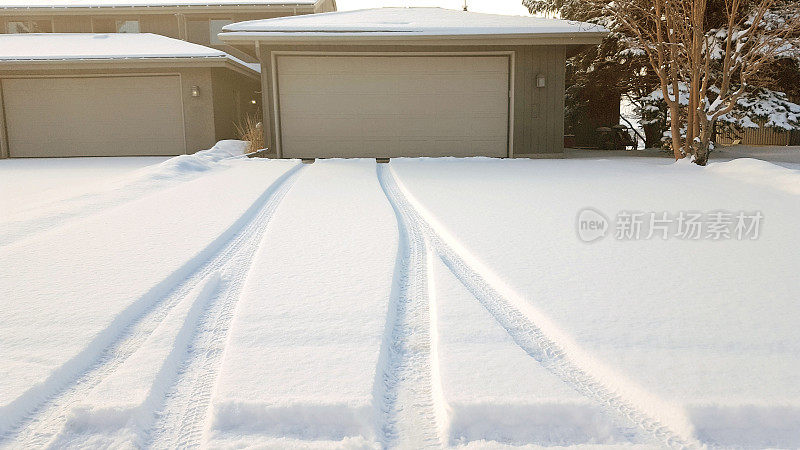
x: 26, y: 181
x: 760, y: 173
x: 55, y: 206
x: 201, y: 161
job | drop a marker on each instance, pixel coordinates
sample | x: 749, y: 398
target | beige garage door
x: 94, y: 116
x: 387, y: 106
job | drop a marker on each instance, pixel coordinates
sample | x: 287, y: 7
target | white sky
x: 512, y: 7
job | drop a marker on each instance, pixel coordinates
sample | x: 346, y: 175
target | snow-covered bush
x: 758, y: 108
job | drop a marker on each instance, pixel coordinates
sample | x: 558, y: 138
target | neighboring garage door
x: 94, y: 116
x: 387, y: 106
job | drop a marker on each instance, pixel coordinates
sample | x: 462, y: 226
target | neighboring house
x: 412, y: 82
x: 118, y: 95
x: 73, y: 93
x: 197, y: 21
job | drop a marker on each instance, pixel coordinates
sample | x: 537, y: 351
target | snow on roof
x: 16, y: 4
x: 56, y: 46
x: 413, y: 21
x: 81, y: 46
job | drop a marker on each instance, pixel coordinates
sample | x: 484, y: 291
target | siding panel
x: 72, y: 24
x: 561, y: 78
x: 520, y: 102
x: 166, y: 25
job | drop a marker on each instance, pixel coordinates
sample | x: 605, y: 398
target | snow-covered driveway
x: 217, y: 301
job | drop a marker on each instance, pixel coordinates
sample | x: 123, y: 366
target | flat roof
x: 56, y: 4
x: 406, y: 22
x: 112, y: 46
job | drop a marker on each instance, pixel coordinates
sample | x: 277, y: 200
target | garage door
x: 94, y: 116
x: 387, y: 106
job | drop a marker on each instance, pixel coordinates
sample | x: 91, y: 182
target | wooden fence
x: 758, y: 136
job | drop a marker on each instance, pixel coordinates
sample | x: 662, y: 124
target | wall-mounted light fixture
x: 540, y: 81
x: 195, y: 91
x: 253, y: 101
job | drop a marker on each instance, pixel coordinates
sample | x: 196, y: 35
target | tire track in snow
x: 37, y: 416
x: 180, y: 421
x: 411, y: 412
x: 528, y: 335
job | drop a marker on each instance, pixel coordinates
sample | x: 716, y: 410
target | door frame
x: 276, y: 109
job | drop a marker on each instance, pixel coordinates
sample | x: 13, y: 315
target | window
x: 29, y: 26
x: 127, y: 26
x: 215, y: 28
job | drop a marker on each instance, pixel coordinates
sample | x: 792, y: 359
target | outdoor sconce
x: 540, y: 81
x: 253, y: 101
x: 195, y: 91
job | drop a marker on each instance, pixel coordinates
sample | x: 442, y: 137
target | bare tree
x: 672, y: 34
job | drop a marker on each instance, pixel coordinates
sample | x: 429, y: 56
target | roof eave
x: 123, y: 63
x: 244, y: 38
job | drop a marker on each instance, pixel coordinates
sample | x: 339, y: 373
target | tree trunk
x: 702, y: 147
x: 675, y: 130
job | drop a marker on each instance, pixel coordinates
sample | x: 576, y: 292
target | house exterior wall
x: 200, y: 114
x: 4, y: 153
x: 232, y: 93
x: 190, y: 23
x: 163, y: 24
x: 537, y: 114
x: 69, y: 24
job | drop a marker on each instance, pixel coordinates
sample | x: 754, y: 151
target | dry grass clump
x: 250, y: 131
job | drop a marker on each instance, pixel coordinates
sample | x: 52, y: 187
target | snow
x: 784, y: 156
x: 73, y: 46
x: 52, y: 195
x: 763, y: 108
x: 686, y: 322
x: 50, y: 332
x: 311, y: 374
x: 122, y: 401
x: 413, y: 21
x: 26, y: 181
x: 141, y: 3
x: 524, y: 402
x: 760, y: 173
x: 221, y: 301
x: 509, y: 7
